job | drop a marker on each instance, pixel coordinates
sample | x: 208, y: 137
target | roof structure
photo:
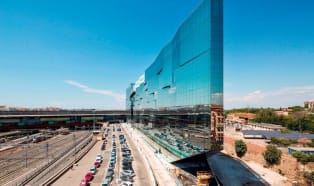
x: 224, y: 168
x: 269, y: 134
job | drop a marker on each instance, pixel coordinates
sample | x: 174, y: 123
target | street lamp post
x: 74, y: 139
x: 94, y: 120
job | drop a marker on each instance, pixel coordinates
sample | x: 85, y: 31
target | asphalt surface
x: 75, y: 175
x: 142, y: 177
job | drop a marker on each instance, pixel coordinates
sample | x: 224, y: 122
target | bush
x: 282, y: 142
x: 309, y: 176
x: 272, y: 155
x: 216, y: 147
x: 240, y: 148
x: 302, y: 157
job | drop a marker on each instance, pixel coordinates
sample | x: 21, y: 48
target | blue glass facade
x: 187, y: 75
x: 189, y: 70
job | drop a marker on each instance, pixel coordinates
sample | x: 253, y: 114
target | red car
x: 84, y: 182
x: 88, y: 176
x: 97, y: 164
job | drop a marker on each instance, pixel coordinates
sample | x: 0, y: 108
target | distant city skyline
x: 78, y: 54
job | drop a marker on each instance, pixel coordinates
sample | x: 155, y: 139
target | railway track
x: 34, y: 156
x: 67, y: 159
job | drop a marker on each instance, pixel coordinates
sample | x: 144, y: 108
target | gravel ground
x: 273, y: 178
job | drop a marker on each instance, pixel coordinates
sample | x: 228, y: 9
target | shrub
x: 272, y: 155
x: 283, y: 142
x: 309, y: 176
x: 240, y: 148
x: 216, y: 147
x: 302, y: 157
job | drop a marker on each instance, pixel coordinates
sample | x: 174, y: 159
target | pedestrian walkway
x: 159, y: 167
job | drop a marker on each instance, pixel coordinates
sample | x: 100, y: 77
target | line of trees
x: 298, y: 120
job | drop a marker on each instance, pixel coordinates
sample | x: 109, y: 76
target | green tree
x: 216, y: 147
x: 272, y: 155
x: 266, y: 116
x: 240, y: 148
x: 297, y: 108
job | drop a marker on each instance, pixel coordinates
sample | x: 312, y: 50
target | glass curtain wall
x: 179, y: 100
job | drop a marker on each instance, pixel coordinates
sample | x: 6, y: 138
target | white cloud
x: 118, y: 97
x: 283, y: 97
x: 140, y: 80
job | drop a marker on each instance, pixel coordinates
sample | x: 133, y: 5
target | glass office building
x: 179, y: 99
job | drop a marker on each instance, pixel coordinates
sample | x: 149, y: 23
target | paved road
x: 74, y: 176
x: 142, y: 177
x: 102, y: 170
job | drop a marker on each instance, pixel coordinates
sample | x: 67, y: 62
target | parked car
x: 109, y: 178
x: 98, y: 159
x: 126, y: 183
x: 84, y: 182
x: 93, y: 170
x: 106, y: 182
x: 112, y: 160
x: 97, y: 164
x: 111, y: 165
x: 128, y: 173
x: 88, y: 176
x: 100, y: 156
x: 126, y: 178
x: 110, y: 172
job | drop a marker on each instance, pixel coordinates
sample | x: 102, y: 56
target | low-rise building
x: 241, y: 118
x: 306, y: 150
x: 3, y: 108
x: 309, y: 104
x: 283, y: 112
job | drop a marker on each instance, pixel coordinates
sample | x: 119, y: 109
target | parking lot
x: 122, y: 163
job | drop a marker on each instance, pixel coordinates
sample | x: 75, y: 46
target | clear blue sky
x: 83, y: 54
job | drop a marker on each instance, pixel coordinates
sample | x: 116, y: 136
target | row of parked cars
x: 92, y: 171
x: 127, y: 172
x: 113, y: 157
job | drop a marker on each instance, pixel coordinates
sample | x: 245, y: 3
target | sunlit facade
x: 181, y: 92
